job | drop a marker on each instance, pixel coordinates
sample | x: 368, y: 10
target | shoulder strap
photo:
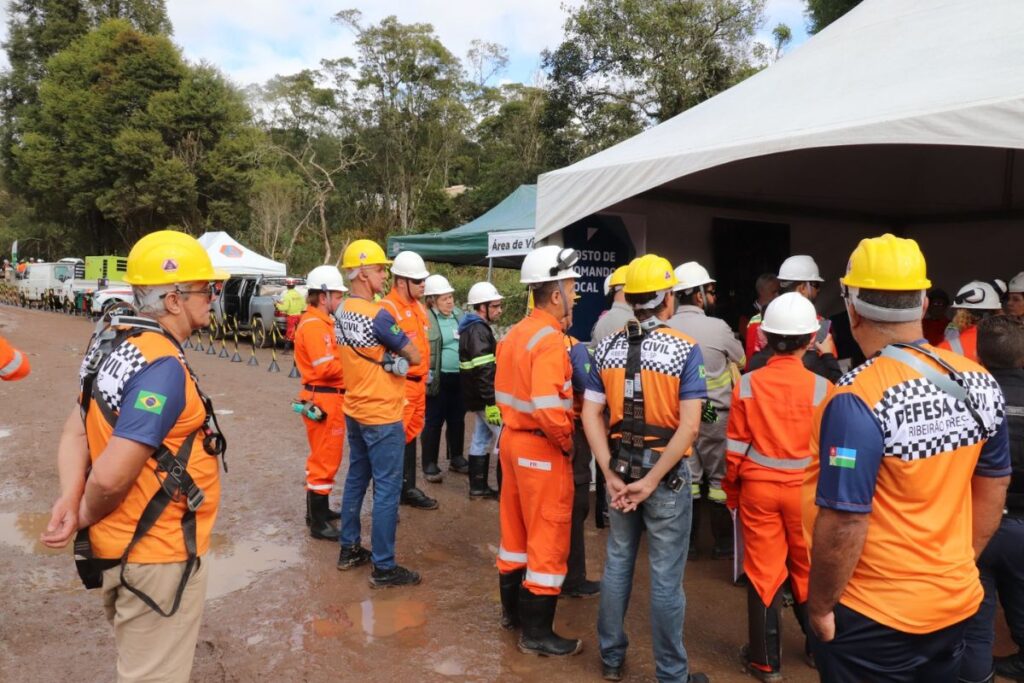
x: 950, y: 382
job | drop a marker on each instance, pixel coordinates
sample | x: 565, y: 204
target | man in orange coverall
x: 767, y: 450
x: 533, y: 389
x: 14, y: 364
x: 404, y: 303
x: 323, y: 393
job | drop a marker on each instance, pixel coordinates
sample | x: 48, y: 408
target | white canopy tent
x: 902, y: 113
x: 236, y: 259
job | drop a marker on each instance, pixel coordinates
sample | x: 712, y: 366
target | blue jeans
x: 484, y: 435
x: 374, y: 451
x: 666, y: 517
x: 1002, y: 574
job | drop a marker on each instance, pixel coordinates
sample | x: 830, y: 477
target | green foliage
x: 627, y: 64
x: 821, y: 13
x: 505, y: 279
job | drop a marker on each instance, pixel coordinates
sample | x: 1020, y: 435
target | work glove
x: 493, y: 415
x: 708, y: 413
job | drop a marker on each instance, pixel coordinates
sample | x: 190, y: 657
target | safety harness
x: 633, y: 448
x: 171, y: 468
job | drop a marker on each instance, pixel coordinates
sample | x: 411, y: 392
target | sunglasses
x: 417, y: 281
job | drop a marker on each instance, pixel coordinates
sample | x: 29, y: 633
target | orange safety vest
x: 533, y: 379
x: 411, y: 316
x: 317, y: 355
x: 768, y: 437
x: 13, y: 363
x: 373, y: 396
x: 164, y: 543
x: 964, y: 342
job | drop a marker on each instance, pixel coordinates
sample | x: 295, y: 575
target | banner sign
x: 604, y: 245
x: 509, y: 243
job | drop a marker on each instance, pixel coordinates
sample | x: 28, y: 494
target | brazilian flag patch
x: 701, y: 372
x: 150, y: 402
x: 395, y: 329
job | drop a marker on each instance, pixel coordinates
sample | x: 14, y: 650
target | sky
x: 252, y: 41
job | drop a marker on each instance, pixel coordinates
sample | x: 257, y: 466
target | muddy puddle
x: 235, y: 565
x: 371, y: 619
x: 21, y: 530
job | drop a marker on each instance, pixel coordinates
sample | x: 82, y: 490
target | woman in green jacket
x: 444, y: 392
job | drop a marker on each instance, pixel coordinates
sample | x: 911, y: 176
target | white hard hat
x: 790, y: 314
x: 1017, y: 283
x: 326, y: 279
x: 436, y: 285
x: 607, y: 284
x: 977, y: 295
x: 549, y: 263
x: 691, y: 275
x: 799, y: 268
x: 482, y: 293
x: 409, y: 264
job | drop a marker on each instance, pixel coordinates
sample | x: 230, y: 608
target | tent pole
x: 490, y: 268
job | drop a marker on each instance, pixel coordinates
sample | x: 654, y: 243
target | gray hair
x: 352, y: 273
x: 149, y: 300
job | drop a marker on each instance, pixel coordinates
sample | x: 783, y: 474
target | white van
x: 43, y: 278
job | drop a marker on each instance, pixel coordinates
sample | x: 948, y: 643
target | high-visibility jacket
x: 317, y: 355
x: 671, y: 370
x: 533, y: 379
x: 412, y: 318
x: 755, y: 339
x: 364, y: 332
x: 131, y: 405
x: 291, y: 302
x: 13, y: 363
x: 964, y: 342
x: 893, y: 446
x: 768, y: 437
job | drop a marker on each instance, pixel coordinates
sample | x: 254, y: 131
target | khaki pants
x: 151, y: 647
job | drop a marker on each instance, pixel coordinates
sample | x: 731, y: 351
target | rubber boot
x: 457, y: 463
x: 508, y: 585
x: 695, y: 528
x: 319, y: 526
x: 455, y: 440
x: 763, y: 655
x: 721, y: 530
x: 536, y: 617
x: 479, y: 466
x: 411, y: 495
x: 430, y: 446
x: 576, y: 584
x: 332, y: 515
x: 600, y: 500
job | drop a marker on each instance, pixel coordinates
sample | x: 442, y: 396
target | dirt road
x: 277, y: 609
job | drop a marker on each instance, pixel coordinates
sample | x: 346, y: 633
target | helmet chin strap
x: 565, y: 300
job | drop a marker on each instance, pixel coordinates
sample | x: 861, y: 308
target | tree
x: 626, y: 64
x: 129, y: 138
x: 410, y: 100
x: 821, y: 13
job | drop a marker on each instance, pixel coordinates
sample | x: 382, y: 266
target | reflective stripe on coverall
x: 412, y: 318
x: 768, y: 449
x: 319, y: 362
x: 533, y: 389
x: 964, y: 342
x: 13, y: 363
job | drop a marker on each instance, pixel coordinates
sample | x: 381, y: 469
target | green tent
x: 468, y: 244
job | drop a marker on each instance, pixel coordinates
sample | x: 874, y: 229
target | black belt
x: 322, y: 390
x: 417, y: 378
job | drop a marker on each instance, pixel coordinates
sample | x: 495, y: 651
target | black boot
x: 430, y: 445
x: 457, y: 463
x: 508, y: 585
x: 763, y: 655
x: 536, y: 617
x: 721, y: 529
x: 332, y: 515
x: 479, y: 466
x: 411, y: 495
x: 319, y: 526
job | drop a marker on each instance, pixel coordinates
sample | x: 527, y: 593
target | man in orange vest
x: 375, y: 356
x: 906, y: 488
x: 974, y: 302
x: 404, y: 303
x: 138, y: 464
x: 14, y: 364
x: 768, y: 449
x: 322, y: 398
x: 644, y: 395
x: 533, y: 389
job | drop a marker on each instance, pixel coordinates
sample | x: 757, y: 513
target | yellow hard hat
x: 887, y: 262
x: 618, y: 276
x: 649, y: 273
x: 167, y: 257
x: 364, y: 253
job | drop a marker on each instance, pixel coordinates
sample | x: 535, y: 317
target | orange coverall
x: 411, y: 316
x: 964, y: 342
x: 318, y: 359
x: 14, y: 364
x: 767, y: 450
x: 533, y: 389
